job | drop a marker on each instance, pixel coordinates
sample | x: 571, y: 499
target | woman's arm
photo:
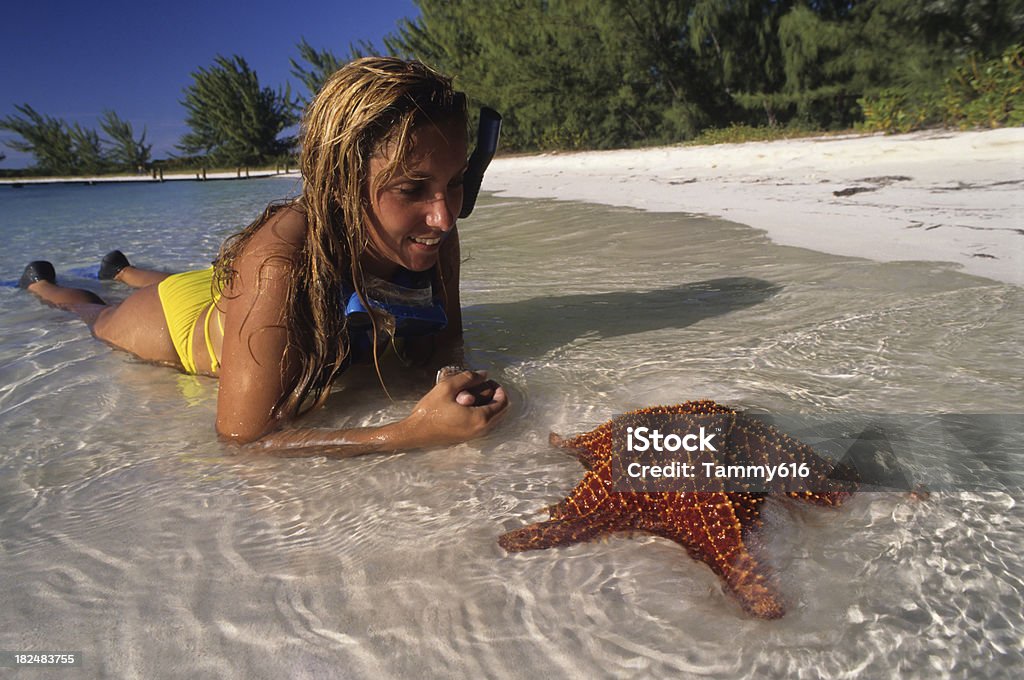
x: 436, y: 420
x: 257, y: 369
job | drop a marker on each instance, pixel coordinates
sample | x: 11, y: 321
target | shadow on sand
x: 537, y: 325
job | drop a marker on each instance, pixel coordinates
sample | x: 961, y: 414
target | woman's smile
x: 427, y: 242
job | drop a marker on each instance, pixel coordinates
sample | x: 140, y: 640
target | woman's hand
x: 461, y: 407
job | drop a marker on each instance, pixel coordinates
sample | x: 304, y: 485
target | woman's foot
x: 37, y: 270
x: 41, y: 272
x: 115, y: 267
x: 112, y: 264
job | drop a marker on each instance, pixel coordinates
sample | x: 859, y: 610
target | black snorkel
x: 486, y: 144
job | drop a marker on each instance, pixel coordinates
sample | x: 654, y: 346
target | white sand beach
x: 942, y: 196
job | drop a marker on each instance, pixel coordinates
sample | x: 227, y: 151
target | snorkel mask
x: 408, y: 297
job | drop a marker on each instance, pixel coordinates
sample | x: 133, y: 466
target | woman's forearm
x: 356, y: 441
x: 443, y: 416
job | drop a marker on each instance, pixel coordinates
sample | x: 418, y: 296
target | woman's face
x: 412, y: 214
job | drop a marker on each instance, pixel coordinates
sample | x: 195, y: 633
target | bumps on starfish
x: 709, y: 516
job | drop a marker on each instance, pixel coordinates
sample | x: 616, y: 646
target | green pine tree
x: 46, y: 138
x: 125, y: 151
x: 321, y: 64
x: 233, y: 120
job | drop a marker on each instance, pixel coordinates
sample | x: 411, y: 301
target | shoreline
x: 940, y: 195
x: 148, y: 179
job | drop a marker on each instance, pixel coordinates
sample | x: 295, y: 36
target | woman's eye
x: 408, y: 189
x: 415, y: 190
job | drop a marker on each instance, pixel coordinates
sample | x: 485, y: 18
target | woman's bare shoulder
x: 276, y: 243
x: 285, y: 229
x: 272, y: 252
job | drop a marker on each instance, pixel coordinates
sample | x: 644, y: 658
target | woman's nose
x: 440, y: 214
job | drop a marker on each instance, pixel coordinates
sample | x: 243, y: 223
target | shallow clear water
x: 129, y: 534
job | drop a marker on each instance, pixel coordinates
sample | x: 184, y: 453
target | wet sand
x: 944, y: 196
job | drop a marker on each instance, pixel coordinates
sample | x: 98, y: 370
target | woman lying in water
x: 383, y: 158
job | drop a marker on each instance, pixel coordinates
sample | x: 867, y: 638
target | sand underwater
x: 129, y: 534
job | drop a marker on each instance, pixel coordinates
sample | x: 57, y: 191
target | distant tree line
x: 616, y: 73
x: 571, y: 74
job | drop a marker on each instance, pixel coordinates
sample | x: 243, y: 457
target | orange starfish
x: 709, y: 515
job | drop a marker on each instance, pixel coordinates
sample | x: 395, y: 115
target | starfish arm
x: 590, y: 496
x: 589, y: 448
x: 748, y: 580
x: 754, y: 442
x: 711, y: 527
x: 555, y: 532
x: 572, y: 446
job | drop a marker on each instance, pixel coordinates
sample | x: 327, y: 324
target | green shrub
x: 987, y: 94
x: 897, y: 110
x: 990, y: 94
x: 737, y: 134
x: 564, y: 138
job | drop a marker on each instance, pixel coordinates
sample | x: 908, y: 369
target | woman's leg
x: 137, y: 325
x: 139, y: 278
x: 65, y: 298
x: 115, y: 267
x: 40, y: 279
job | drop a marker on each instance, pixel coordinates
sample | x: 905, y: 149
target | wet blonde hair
x: 367, y: 105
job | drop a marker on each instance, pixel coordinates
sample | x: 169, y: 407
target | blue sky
x: 72, y: 60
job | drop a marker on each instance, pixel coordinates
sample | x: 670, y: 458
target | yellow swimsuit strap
x: 211, y: 311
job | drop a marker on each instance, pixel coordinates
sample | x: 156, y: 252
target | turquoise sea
x: 130, y: 535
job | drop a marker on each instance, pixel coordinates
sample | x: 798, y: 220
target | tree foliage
x: 320, y: 64
x: 572, y: 74
x: 124, y: 150
x: 233, y: 120
x: 568, y: 73
x: 88, y: 152
x: 45, y: 137
x: 610, y: 73
x: 975, y: 94
x: 71, y: 149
